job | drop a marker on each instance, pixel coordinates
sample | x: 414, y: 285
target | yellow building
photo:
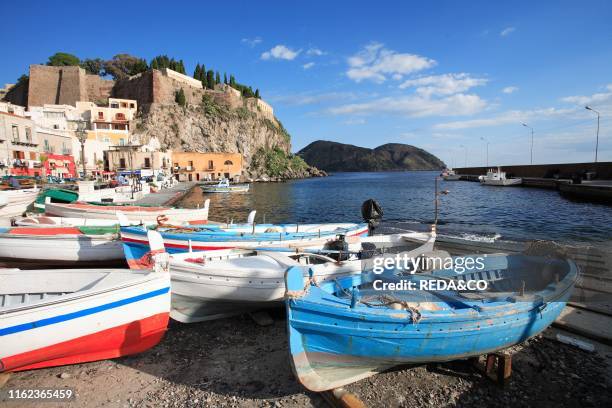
x: 193, y: 166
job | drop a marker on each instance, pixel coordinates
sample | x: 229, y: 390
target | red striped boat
x: 58, y: 317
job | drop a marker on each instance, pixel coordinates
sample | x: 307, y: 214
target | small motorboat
x: 498, y: 178
x: 58, y: 317
x: 224, y: 186
x: 346, y: 330
x: 209, y: 285
x: 17, y: 201
x: 450, y: 175
x: 67, y: 246
x: 135, y: 213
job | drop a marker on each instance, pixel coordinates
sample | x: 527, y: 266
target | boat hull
x: 17, y: 202
x: 375, y: 352
x: 63, y: 249
x: 135, y: 214
x: 136, y: 244
x: 86, y: 327
x: 502, y: 183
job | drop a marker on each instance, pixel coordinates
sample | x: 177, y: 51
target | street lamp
x: 82, y: 136
x: 465, y: 147
x: 527, y: 126
x: 486, y: 140
x: 597, y: 140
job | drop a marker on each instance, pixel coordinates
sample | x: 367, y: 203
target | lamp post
x: 527, y: 126
x: 596, y: 140
x: 82, y: 136
x: 486, y: 140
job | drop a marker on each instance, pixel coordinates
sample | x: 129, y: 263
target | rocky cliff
x: 211, y: 127
x: 333, y: 156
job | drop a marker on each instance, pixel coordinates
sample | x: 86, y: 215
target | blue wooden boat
x: 344, y: 331
x: 188, y: 239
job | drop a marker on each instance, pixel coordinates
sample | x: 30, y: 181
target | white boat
x: 224, y: 186
x: 134, y: 213
x: 498, y: 178
x: 17, y: 201
x: 208, y: 285
x: 58, y: 317
x: 450, y: 175
x: 21, y: 246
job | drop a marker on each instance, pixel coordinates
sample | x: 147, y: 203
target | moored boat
x: 17, y: 201
x: 58, y: 317
x: 224, y: 186
x: 450, y: 175
x: 499, y: 178
x: 346, y: 330
x: 213, y: 284
x: 21, y: 246
x: 134, y: 213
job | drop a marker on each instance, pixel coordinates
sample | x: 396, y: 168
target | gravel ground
x: 236, y: 363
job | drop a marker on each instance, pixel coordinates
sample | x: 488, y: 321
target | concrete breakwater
x: 599, y: 170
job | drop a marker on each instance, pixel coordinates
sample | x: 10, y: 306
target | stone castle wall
x: 65, y: 86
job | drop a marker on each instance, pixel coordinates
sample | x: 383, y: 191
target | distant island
x: 340, y: 157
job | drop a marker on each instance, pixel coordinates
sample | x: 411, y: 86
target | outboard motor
x: 372, y: 213
x: 339, y: 244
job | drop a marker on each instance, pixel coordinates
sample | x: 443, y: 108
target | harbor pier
x: 581, y: 181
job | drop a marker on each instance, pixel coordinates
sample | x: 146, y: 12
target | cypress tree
x: 225, y: 78
x: 232, y: 81
x: 181, y: 67
x: 217, y: 78
x: 210, y: 79
x: 196, y: 71
x: 257, y: 93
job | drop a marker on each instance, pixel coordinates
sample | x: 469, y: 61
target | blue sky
x: 439, y: 75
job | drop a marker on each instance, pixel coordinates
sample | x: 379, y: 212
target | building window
x: 190, y: 163
x: 147, y: 162
x: 28, y: 134
x: 100, y: 115
x: 115, y: 105
x: 122, y: 142
x: 228, y: 163
x: 122, y: 163
x: 132, y: 106
x: 210, y: 165
x: 15, y: 130
x: 120, y: 116
x: 46, y: 145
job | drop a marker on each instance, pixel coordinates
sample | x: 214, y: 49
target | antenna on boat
x: 251, y: 217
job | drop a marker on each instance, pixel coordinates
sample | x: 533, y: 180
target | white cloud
x: 504, y: 118
x: 280, y: 52
x: 315, y: 52
x: 311, y: 98
x: 507, y: 31
x: 416, y: 106
x: 446, y: 84
x: 589, y: 99
x: 510, y: 89
x: 308, y: 65
x: 355, y: 121
x: 375, y: 63
x: 251, y: 42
